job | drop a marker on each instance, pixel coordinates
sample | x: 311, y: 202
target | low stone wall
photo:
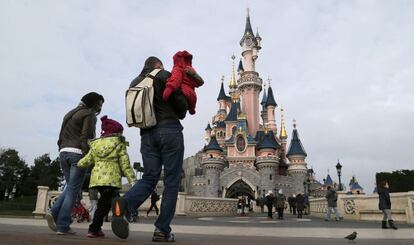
x: 365, y: 207
x: 186, y: 205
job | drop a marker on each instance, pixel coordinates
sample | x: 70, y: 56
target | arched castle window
x: 270, y: 177
x: 208, y: 182
x: 233, y: 129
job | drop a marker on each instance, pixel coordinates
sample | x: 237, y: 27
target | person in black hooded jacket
x: 162, y: 147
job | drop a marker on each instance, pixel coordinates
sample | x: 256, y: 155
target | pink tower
x: 250, y: 83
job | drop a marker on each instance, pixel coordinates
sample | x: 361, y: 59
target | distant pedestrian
x: 385, y: 205
x: 307, y: 204
x: 110, y: 161
x: 332, y: 199
x: 292, y: 204
x: 78, y: 127
x: 239, y: 206
x: 280, y: 203
x: 262, y: 202
x: 269, y: 203
x: 300, y: 204
x: 154, y: 199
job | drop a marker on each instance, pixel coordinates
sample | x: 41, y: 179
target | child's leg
x: 191, y: 97
x: 104, y: 205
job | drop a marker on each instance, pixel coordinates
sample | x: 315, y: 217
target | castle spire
x: 270, y: 100
x: 263, y: 103
x: 283, y: 134
x: 248, y: 31
x: 296, y: 147
x: 222, y: 95
x: 240, y: 69
x: 233, y: 84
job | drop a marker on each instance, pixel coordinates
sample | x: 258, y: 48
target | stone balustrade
x: 365, y: 207
x: 186, y: 205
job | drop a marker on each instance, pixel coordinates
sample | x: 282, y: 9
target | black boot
x: 384, y: 224
x: 391, y: 223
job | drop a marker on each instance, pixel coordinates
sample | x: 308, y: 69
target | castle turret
x: 270, y: 107
x: 208, y: 133
x: 250, y: 84
x: 212, y: 163
x: 297, y: 166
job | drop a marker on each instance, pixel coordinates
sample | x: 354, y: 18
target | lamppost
x: 308, y: 182
x: 339, y: 170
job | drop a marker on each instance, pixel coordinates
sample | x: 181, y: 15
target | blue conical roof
x: 355, y: 186
x: 221, y: 124
x: 268, y: 142
x: 328, y: 180
x: 213, y: 145
x: 296, y: 147
x: 240, y: 68
x: 232, y: 116
x: 264, y: 99
x: 208, y: 127
x: 222, y: 95
x: 270, y: 100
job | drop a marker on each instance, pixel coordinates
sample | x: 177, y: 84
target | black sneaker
x: 119, y: 224
x: 160, y: 236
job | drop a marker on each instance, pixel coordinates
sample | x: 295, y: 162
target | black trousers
x: 108, y: 193
x: 153, y: 205
x: 300, y: 213
x: 280, y: 213
x: 269, y: 211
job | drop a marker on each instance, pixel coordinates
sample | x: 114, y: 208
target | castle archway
x: 240, y: 188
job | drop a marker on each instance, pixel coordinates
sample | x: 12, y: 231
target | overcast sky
x: 342, y: 69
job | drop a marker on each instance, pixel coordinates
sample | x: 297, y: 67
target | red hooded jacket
x: 181, y: 78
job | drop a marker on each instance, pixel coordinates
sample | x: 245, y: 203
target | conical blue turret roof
x: 208, y: 127
x: 268, y: 142
x: 264, y: 99
x: 222, y: 95
x: 240, y: 68
x: 270, y: 100
x: 213, y: 145
x: 328, y: 180
x: 232, y: 116
x: 296, y: 147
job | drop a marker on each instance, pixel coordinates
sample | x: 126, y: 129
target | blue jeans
x: 161, y: 146
x: 74, y: 176
x: 329, y: 211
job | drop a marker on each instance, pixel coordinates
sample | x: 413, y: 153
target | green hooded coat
x: 110, y: 161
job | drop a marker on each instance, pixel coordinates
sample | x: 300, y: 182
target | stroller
x: 80, y: 213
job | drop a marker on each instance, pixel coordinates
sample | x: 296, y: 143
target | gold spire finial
x: 283, y: 133
x: 233, y: 84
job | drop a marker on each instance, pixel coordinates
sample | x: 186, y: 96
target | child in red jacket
x: 185, y: 77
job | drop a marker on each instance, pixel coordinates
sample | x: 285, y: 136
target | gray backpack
x: 139, y: 103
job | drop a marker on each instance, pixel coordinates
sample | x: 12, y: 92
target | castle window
x: 270, y: 177
x: 208, y: 182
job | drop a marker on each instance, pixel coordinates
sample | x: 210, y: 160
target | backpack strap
x: 153, y: 73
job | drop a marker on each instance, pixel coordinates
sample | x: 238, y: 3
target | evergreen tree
x: 13, y: 171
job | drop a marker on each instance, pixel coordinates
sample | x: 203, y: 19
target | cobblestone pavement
x: 216, y: 230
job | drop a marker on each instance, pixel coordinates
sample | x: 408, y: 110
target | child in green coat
x: 110, y: 161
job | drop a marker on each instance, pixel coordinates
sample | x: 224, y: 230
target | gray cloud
x: 343, y: 69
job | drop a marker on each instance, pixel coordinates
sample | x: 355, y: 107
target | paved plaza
x: 215, y: 230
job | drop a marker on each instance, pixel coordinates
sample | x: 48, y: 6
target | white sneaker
x: 50, y: 221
